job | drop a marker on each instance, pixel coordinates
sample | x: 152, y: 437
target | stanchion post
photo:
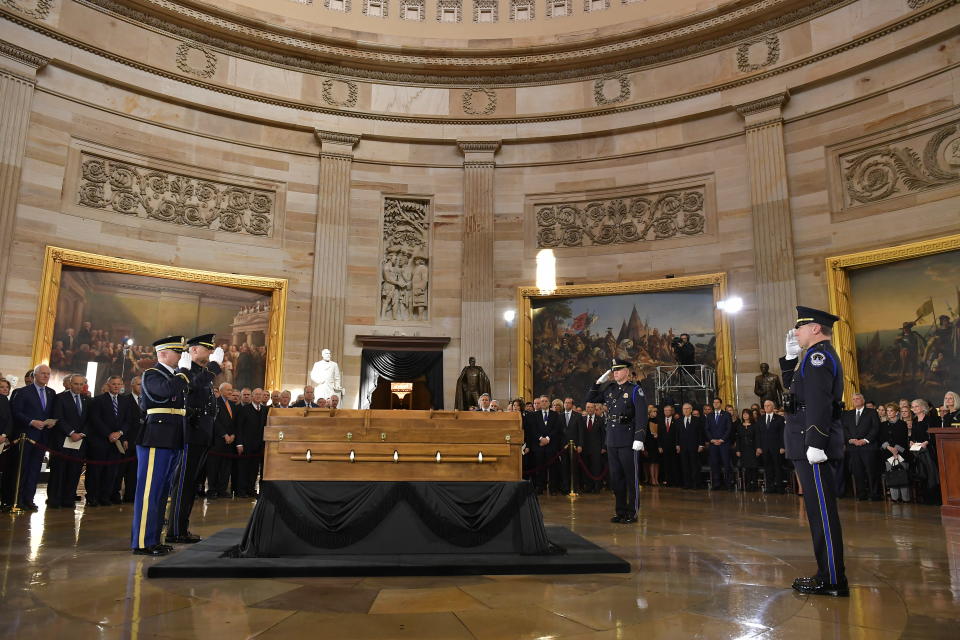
x: 16, y: 510
x: 571, y: 451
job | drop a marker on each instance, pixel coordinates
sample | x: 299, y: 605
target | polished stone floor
x: 705, y: 565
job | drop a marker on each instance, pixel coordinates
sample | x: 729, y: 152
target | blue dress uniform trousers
x: 184, y: 478
x: 624, y: 480
x: 153, y: 472
x: 819, y: 482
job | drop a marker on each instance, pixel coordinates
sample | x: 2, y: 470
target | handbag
x: 897, y: 476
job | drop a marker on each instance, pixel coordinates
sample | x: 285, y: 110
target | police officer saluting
x: 203, y: 361
x: 814, y: 441
x: 626, y: 429
x: 163, y: 399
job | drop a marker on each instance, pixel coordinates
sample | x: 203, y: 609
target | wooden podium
x: 396, y: 446
x: 948, y: 459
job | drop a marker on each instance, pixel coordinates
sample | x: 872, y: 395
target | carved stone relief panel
x: 405, y: 260
x: 130, y: 189
x: 39, y: 9
x: 628, y: 216
x: 195, y: 60
x: 910, y: 161
x: 611, y: 90
x: 758, y: 54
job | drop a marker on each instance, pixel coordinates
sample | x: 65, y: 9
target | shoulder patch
x: 817, y: 359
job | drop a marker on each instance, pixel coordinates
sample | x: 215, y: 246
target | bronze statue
x: 767, y: 386
x: 471, y: 383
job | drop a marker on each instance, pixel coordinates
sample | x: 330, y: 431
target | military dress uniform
x: 187, y: 473
x: 813, y: 420
x: 163, y: 399
x: 626, y: 423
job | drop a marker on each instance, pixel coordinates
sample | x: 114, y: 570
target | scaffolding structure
x: 679, y: 383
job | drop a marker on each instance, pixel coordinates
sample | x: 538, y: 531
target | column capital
x: 19, y: 61
x: 336, y: 144
x: 763, y: 110
x: 478, y: 152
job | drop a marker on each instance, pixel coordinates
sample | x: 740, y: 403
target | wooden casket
x: 394, y: 446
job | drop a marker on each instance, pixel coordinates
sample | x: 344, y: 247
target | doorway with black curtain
x: 424, y: 369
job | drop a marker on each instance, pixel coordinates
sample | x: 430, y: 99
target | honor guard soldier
x: 626, y: 422
x: 813, y: 439
x: 163, y: 399
x: 203, y: 361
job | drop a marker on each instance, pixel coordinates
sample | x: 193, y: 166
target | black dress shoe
x: 808, y: 582
x: 116, y: 501
x: 30, y: 507
x: 187, y: 538
x: 93, y: 503
x: 839, y: 590
x: 628, y: 519
x: 155, y: 550
x: 212, y: 495
x: 69, y: 505
x: 165, y: 547
x: 51, y: 505
x: 616, y: 519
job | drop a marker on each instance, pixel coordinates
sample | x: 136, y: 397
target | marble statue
x: 326, y: 376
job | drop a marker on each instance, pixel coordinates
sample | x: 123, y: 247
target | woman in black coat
x: 651, y: 444
x: 896, y: 443
x: 748, y: 449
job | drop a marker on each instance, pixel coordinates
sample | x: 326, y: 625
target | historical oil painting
x: 575, y: 338
x: 906, y: 320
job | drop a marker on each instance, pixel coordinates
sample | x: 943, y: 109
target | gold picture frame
x: 838, y: 290
x: 55, y: 258
x: 718, y: 281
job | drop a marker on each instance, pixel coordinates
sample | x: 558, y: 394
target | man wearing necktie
x: 34, y: 408
x: 719, y: 433
x: 591, y: 449
x: 125, y: 485
x: 667, y: 444
x: 571, y: 433
x: 771, y: 448
x: 224, y: 444
x: 72, y: 412
x: 110, y: 421
x: 861, y: 432
x: 543, y: 429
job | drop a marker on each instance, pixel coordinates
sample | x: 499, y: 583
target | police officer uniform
x: 163, y: 399
x: 813, y: 429
x: 626, y: 423
x: 197, y: 439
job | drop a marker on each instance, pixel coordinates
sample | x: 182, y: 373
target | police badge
x: 817, y: 359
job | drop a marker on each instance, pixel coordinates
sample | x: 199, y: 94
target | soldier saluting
x: 164, y: 400
x: 626, y: 421
x: 813, y: 440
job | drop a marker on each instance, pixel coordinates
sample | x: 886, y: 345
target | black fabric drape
x: 309, y: 518
x: 401, y: 365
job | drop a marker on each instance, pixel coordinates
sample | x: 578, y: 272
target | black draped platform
x: 391, y: 528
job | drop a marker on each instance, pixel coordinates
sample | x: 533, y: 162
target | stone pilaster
x: 329, y: 296
x: 477, y: 291
x: 772, y: 231
x: 18, y: 74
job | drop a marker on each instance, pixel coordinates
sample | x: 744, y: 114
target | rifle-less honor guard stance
x: 814, y: 441
x: 164, y: 400
x: 203, y: 361
x: 626, y: 430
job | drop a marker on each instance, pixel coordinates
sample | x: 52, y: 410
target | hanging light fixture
x: 546, y: 272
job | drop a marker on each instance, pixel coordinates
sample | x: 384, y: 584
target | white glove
x: 638, y: 445
x: 185, y: 360
x: 792, y: 347
x: 217, y: 355
x: 605, y: 376
x: 815, y: 456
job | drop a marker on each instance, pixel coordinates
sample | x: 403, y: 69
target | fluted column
x: 772, y: 230
x: 329, y: 296
x: 477, y: 301
x: 18, y: 74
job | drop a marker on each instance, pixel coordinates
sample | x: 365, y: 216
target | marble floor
x: 705, y: 565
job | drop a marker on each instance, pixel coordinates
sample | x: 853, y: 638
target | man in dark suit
x: 719, y: 435
x: 691, y: 440
x: 224, y: 444
x: 771, y: 447
x: 591, y: 441
x: 72, y: 412
x: 544, y: 430
x: 34, y: 410
x: 8, y: 468
x: 84, y: 336
x: 861, y: 432
x: 308, y: 399
x: 572, y: 427
x: 110, y: 423
x: 125, y: 485
x: 669, y: 430
x: 251, y: 419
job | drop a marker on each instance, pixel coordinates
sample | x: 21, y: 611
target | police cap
x: 806, y: 315
x: 620, y: 364
x: 206, y: 340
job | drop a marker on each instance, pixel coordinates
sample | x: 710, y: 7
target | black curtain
x: 401, y: 366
